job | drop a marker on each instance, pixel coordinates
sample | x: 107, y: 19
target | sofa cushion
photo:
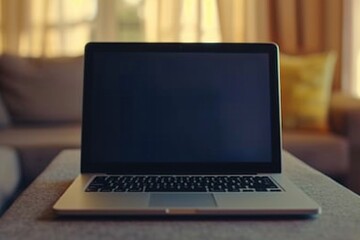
x: 306, y: 87
x: 59, y: 136
x: 4, y: 116
x: 324, y: 151
x: 34, y: 160
x: 38, y: 145
x: 9, y: 175
x: 37, y: 90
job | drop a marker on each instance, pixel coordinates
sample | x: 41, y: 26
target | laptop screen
x: 179, y: 107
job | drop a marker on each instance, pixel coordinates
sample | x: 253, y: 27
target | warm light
x: 133, y: 2
x: 199, y: 21
x: 357, y: 74
x: 59, y: 27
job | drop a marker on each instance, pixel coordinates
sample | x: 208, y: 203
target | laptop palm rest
x: 182, y: 200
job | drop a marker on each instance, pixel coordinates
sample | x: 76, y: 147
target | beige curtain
x: 244, y: 20
x: 13, y: 21
x: 62, y: 27
x: 45, y: 27
x: 207, y: 20
x: 351, y: 47
x: 308, y: 26
x: 181, y: 21
x: 298, y: 26
x: 105, y: 23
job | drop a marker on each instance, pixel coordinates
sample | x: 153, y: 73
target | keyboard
x: 125, y: 183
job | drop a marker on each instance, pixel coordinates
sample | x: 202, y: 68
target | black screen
x: 180, y: 107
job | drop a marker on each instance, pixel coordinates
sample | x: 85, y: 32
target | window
x: 130, y: 20
x: 47, y: 27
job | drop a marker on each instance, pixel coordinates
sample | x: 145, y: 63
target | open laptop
x: 182, y: 129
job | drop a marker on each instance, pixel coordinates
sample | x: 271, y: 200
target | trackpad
x: 182, y: 200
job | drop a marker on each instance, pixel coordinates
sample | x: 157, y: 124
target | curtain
x: 105, y: 28
x: 297, y: 26
x: 181, y: 21
x: 62, y: 27
x: 46, y: 27
x: 351, y: 47
x: 206, y: 20
x: 13, y: 20
x: 244, y: 20
x: 308, y: 26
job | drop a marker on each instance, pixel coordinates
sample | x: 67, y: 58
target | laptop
x: 182, y: 129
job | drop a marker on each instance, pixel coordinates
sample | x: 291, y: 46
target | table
x: 31, y: 216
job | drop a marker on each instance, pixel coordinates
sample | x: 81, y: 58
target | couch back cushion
x: 42, y: 90
x: 306, y: 88
x: 4, y: 116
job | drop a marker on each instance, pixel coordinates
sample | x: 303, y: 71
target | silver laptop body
x: 182, y: 129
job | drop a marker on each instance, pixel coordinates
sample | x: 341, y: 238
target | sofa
x: 40, y: 114
x: 336, y: 151
x: 10, y: 176
x: 320, y: 124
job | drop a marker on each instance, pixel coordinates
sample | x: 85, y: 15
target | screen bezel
x: 90, y: 165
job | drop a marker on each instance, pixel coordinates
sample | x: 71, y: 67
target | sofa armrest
x: 10, y: 175
x: 344, y: 117
x: 4, y: 115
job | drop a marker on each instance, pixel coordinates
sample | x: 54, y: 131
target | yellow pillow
x: 306, y: 87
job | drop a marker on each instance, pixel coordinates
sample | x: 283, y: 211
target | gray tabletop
x: 31, y: 217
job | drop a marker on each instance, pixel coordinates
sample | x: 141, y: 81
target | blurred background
x: 62, y: 27
x: 42, y: 43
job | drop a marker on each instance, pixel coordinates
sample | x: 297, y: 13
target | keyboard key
x: 260, y: 189
x: 182, y: 184
x: 275, y: 190
x: 248, y: 190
